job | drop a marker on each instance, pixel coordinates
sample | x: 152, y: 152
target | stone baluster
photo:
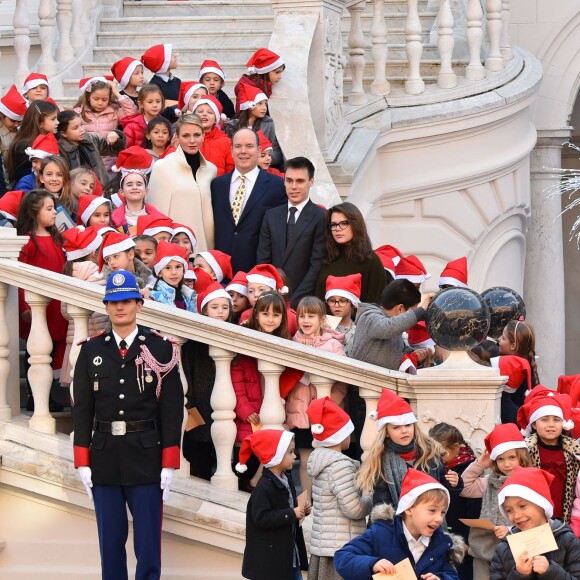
x: 21, y: 25
x: 223, y: 428
x: 5, y: 410
x: 272, y: 413
x: 64, y: 17
x: 80, y: 317
x: 40, y: 374
x: 414, y: 85
x: 47, y: 36
x: 77, y: 38
x: 369, y: 432
x: 446, y: 79
x: 322, y: 384
x: 356, y: 52
x: 475, y: 71
x: 380, y: 85
x: 505, y: 43
x: 494, y: 60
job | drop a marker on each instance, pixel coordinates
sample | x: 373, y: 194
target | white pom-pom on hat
x: 317, y: 429
x: 373, y: 415
x: 568, y: 425
x: 241, y: 468
x: 251, y: 70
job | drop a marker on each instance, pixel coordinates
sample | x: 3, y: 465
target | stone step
x: 197, y: 8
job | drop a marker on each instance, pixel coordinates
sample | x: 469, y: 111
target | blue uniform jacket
x: 385, y: 539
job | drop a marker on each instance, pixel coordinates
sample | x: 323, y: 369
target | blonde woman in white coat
x: 338, y: 506
x: 180, y: 183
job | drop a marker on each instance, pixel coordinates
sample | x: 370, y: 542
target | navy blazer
x: 302, y: 258
x: 241, y: 241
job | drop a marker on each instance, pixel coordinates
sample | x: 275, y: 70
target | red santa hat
x: 182, y: 229
x: 186, y: 91
x: 566, y: 383
x: 268, y: 275
x: 330, y: 425
x: 418, y: 337
x: 264, y: 61
x: 504, y: 438
x: 220, y: 263
x: 249, y: 96
x: 134, y: 159
x: 392, y: 410
x: 416, y: 483
x: 387, y: 261
x: 13, y: 104
x: 539, y: 406
x: 10, y: 203
x: 157, y: 58
x: 265, y: 143
x: 190, y: 273
x: 88, y: 204
x: 238, y: 284
x: 86, y: 84
x: 411, y: 268
x: 211, y: 66
x: 113, y: 243
x: 516, y: 368
x: 202, y: 280
x: 211, y: 292
x: 346, y: 286
x: 80, y: 242
x: 389, y: 252
x: 123, y: 69
x: 34, y: 80
x: 168, y: 252
x: 149, y: 225
x: 215, y: 105
x: 531, y: 484
x: 43, y: 146
x: 268, y: 445
x: 409, y: 363
x: 455, y: 274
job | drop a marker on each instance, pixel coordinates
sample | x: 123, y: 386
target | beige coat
x: 174, y: 192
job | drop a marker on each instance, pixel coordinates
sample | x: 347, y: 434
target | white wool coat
x: 338, y: 508
x: 175, y: 193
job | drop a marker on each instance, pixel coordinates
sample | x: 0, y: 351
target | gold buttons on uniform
x: 121, y: 412
x: 122, y: 381
x: 121, y: 396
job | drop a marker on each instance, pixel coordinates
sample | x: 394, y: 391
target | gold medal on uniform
x: 148, y: 378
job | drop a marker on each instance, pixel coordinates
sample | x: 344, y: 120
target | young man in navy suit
x: 293, y: 235
x: 240, y: 199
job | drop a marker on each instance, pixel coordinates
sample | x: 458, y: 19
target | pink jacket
x: 474, y: 482
x: 575, y: 517
x: 108, y: 120
x: 248, y: 388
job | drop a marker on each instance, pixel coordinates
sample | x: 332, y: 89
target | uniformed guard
x: 128, y: 391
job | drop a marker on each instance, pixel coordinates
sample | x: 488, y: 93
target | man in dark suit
x: 240, y: 199
x: 292, y: 236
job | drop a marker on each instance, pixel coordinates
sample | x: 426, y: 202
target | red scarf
x: 464, y: 456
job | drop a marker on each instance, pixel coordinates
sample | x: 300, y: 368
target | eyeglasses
x: 338, y: 226
x: 337, y: 302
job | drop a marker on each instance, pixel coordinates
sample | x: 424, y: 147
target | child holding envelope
x: 526, y: 501
x: 413, y: 532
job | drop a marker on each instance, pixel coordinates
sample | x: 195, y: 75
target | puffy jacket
x: 564, y: 563
x: 338, y: 508
x: 165, y: 294
x: 247, y: 386
x: 107, y: 120
x: 134, y: 127
x: 385, y: 539
x: 217, y: 148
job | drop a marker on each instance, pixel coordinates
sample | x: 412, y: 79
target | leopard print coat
x: 572, y: 457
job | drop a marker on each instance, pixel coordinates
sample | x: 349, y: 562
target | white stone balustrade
x: 505, y: 44
x: 80, y: 318
x: 369, y: 432
x: 21, y: 25
x: 47, y: 35
x: 380, y: 85
x: 79, y: 10
x: 475, y: 71
x: 5, y: 410
x: 64, y: 17
x: 414, y: 85
x: 272, y: 413
x: 494, y: 61
x: 446, y: 79
x: 356, y: 41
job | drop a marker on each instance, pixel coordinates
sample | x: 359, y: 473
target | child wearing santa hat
x: 265, y: 159
x: 505, y: 450
x: 213, y: 77
x: 12, y: 109
x: 544, y: 417
x: 274, y: 540
x: 339, y: 507
x: 525, y: 500
x: 413, y: 530
x: 217, y: 264
x: 128, y: 73
x: 342, y: 298
x: 35, y: 87
x: 238, y: 290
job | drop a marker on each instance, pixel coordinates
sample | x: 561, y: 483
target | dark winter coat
x: 271, y: 531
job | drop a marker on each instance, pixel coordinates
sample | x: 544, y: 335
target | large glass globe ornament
x: 504, y: 305
x: 457, y: 319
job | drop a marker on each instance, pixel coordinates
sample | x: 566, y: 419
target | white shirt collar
x: 300, y: 206
x: 412, y: 541
x: 250, y: 176
x: 129, y: 339
x: 165, y: 77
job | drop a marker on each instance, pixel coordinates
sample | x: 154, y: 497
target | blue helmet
x: 121, y: 285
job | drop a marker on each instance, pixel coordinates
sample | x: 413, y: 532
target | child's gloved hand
x: 452, y: 478
x: 540, y: 565
x: 501, y: 532
x: 384, y: 566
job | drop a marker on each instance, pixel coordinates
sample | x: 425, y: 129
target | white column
x: 380, y: 85
x: 322, y: 384
x: 494, y: 60
x: 21, y: 25
x: 356, y: 53
x: 64, y: 18
x: 80, y: 318
x: 414, y: 84
x: 77, y: 38
x: 370, y: 431
x: 475, y: 71
x: 40, y: 374
x: 272, y: 413
x: 545, y: 260
x: 223, y: 428
x: 5, y: 410
x: 47, y: 36
x: 446, y: 79
x: 505, y: 43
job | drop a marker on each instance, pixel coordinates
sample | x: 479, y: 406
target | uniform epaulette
x: 91, y: 337
x: 157, y: 333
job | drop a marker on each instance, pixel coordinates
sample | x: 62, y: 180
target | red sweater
x: 217, y: 148
x: 134, y: 127
x: 553, y: 461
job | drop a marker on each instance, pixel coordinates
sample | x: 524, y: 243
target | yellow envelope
x: 481, y: 523
x: 535, y: 541
x: 194, y: 419
x: 404, y: 571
